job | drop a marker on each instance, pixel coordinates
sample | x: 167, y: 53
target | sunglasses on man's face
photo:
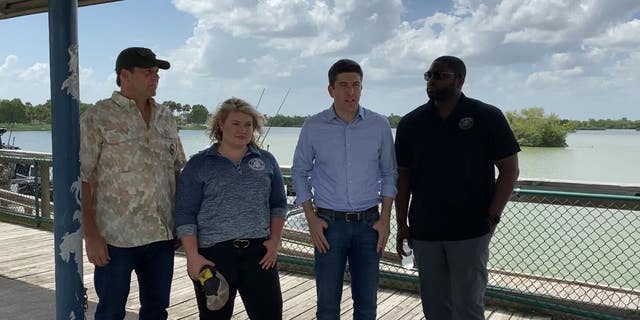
x: 438, y: 75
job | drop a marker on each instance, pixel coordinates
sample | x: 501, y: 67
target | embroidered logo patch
x: 465, y: 123
x: 256, y: 164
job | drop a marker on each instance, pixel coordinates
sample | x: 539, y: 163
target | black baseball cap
x: 138, y: 57
x: 214, y: 286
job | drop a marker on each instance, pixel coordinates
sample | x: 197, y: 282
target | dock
x: 27, y: 287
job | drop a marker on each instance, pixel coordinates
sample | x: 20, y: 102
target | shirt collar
x: 462, y: 102
x: 213, y: 150
x: 125, y: 102
x: 331, y: 113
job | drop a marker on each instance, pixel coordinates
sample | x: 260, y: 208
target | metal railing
x: 25, y: 187
x: 579, y: 250
x: 576, y: 253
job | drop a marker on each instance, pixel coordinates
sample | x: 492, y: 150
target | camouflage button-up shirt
x: 132, y: 170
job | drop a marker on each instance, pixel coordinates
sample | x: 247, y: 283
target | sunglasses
x: 438, y: 75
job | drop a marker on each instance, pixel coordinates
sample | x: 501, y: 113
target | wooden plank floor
x: 26, y: 264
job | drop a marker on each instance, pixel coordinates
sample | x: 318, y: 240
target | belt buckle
x: 241, y: 243
x: 351, y: 216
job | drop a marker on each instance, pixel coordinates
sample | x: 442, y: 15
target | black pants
x: 258, y: 288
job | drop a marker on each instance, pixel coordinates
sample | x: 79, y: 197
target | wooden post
x: 45, y: 191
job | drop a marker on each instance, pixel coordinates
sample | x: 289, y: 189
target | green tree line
x: 297, y: 121
x: 533, y: 129
x: 15, y: 111
x: 531, y: 126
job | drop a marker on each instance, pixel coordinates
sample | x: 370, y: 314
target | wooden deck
x: 27, y: 287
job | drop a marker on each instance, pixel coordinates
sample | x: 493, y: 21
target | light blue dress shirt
x: 345, y: 166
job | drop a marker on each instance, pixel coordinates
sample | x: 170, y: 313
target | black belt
x: 243, y: 243
x: 349, y: 216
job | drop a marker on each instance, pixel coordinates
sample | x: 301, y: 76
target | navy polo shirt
x: 451, y: 163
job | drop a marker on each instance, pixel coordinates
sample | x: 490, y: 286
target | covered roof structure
x: 16, y: 8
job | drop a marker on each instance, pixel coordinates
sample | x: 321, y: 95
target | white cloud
x: 30, y: 83
x: 38, y: 72
x: 551, y: 78
x: 556, y: 54
x: 9, y: 61
x: 624, y: 36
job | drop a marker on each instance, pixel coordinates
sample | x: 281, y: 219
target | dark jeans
x: 355, y: 241
x: 153, y: 264
x: 258, y: 288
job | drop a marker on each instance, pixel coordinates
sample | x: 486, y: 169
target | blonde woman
x: 230, y: 211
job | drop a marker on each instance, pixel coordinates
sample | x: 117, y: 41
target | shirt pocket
x: 167, y: 148
x: 120, y: 150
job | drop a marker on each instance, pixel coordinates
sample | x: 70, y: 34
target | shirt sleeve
x: 302, y: 166
x: 388, y: 166
x: 90, y: 146
x: 189, y: 196
x: 403, y: 152
x: 278, y: 197
x: 504, y: 142
x: 180, y: 158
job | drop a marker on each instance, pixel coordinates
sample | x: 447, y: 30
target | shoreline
x: 47, y: 127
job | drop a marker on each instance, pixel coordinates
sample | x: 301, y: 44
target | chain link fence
x: 575, y: 250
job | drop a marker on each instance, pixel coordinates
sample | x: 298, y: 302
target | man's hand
x: 316, y: 230
x: 269, y: 259
x: 195, y: 262
x: 403, y: 233
x: 382, y: 226
x: 97, y: 252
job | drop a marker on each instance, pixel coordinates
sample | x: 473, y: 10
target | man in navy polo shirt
x: 343, y: 167
x: 446, y: 151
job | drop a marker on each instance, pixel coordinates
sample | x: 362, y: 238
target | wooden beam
x: 16, y: 8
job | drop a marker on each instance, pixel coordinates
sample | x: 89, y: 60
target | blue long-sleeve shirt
x: 349, y: 166
x: 218, y: 200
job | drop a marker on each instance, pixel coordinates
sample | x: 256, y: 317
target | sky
x: 578, y: 59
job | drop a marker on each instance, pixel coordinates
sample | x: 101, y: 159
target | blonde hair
x: 222, y: 113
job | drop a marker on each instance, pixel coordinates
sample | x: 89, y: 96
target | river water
x: 607, y: 156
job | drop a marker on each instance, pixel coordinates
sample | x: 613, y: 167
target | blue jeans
x: 153, y: 264
x: 453, y: 277
x: 355, y: 242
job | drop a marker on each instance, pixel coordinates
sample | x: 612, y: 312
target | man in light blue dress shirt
x: 344, y: 166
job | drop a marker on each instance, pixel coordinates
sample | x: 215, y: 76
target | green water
x: 609, y: 156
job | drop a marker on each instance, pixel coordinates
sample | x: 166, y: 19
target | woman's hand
x: 195, y: 262
x: 269, y: 259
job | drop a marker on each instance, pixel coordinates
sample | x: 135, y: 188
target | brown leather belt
x: 349, y: 216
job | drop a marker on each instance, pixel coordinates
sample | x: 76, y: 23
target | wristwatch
x: 494, y: 219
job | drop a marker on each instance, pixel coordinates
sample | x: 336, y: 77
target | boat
x: 7, y: 145
x: 16, y: 177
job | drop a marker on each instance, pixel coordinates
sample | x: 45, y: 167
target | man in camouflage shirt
x: 131, y: 157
